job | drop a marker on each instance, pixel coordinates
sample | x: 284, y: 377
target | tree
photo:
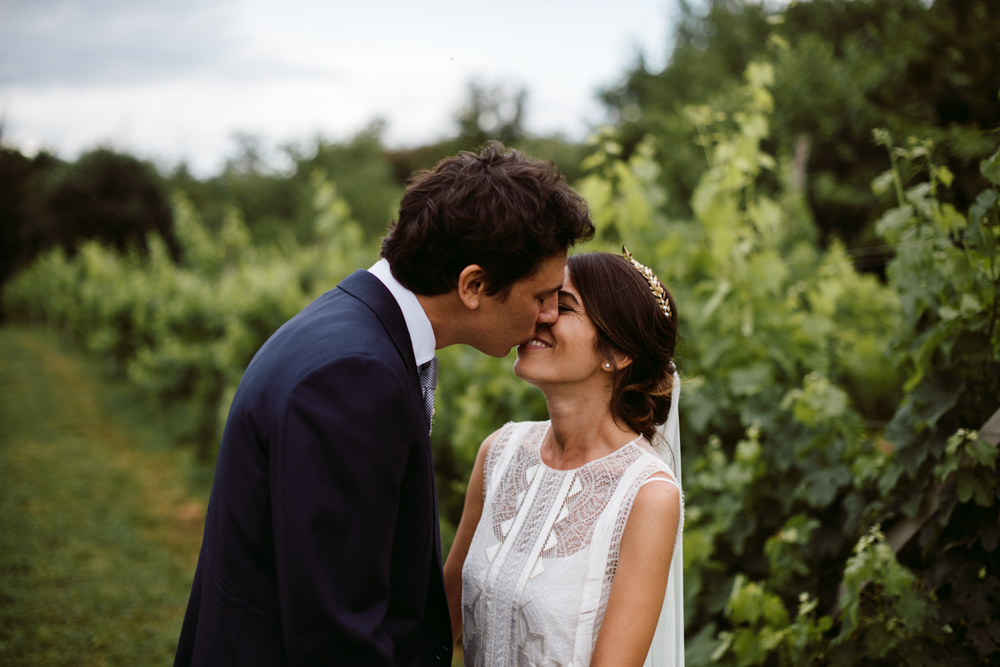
x: 20, y: 180
x: 493, y: 112
x: 108, y: 196
x: 364, y: 176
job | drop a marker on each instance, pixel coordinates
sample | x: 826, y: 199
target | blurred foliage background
x: 818, y: 185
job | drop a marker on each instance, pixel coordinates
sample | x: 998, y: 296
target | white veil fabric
x: 667, y: 649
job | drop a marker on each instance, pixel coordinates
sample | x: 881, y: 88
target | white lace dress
x: 536, y: 580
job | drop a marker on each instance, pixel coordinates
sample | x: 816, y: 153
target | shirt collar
x: 421, y: 332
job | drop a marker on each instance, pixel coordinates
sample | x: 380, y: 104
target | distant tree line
x: 110, y: 196
x: 46, y: 203
x: 841, y: 67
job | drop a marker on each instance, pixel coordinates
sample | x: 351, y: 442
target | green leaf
x: 720, y: 293
x: 892, y: 224
x: 821, y: 484
x: 946, y: 467
x: 595, y: 159
x: 746, y: 646
x: 774, y: 612
x: 746, y: 604
x: 984, y: 202
x: 934, y: 395
x: 970, y: 305
x: 949, y: 219
x: 750, y: 380
x: 769, y: 639
x: 989, y: 240
x: 947, y: 313
x: 882, y: 182
x: 882, y: 137
x: 966, y: 484
x: 720, y: 650
x: 990, y: 168
x: 983, y: 453
x: 701, y: 649
x: 944, y: 176
x: 760, y: 74
x: 887, y: 482
x: 819, y: 401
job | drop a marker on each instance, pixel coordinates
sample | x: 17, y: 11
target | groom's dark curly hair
x: 500, y: 209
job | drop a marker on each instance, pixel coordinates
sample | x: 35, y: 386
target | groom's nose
x: 549, y: 312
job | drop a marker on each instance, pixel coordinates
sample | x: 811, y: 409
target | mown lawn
x: 101, y: 515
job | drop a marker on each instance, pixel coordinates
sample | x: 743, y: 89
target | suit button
x: 442, y: 654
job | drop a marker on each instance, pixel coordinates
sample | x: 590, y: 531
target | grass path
x: 100, y: 516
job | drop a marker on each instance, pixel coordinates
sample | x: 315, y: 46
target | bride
x: 569, y: 547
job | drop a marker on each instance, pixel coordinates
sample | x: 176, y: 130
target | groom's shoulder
x: 353, y: 312
x: 334, y: 327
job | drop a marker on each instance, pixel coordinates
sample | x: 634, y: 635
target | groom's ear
x: 471, y: 286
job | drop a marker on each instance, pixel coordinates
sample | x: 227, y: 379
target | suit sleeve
x: 336, y: 472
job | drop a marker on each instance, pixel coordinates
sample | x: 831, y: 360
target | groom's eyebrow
x: 551, y: 290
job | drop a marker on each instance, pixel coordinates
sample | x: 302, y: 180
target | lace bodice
x: 536, y: 581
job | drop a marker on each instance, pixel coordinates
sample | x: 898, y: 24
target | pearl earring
x: 607, y: 365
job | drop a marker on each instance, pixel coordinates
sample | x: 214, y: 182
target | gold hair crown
x: 655, y: 286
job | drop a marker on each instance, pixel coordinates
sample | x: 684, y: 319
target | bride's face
x: 564, y: 352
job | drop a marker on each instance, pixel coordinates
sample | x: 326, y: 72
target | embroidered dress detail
x: 540, y: 566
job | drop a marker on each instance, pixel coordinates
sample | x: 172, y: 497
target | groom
x: 321, y: 543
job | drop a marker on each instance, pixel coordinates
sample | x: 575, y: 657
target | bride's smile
x: 564, y: 351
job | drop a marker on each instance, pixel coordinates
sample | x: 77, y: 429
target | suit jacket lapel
x: 368, y: 289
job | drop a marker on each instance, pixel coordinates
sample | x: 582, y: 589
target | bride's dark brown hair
x: 629, y: 321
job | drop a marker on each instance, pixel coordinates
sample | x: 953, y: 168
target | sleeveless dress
x: 536, y: 580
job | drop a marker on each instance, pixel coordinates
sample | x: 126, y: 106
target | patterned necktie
x: 428, y: 382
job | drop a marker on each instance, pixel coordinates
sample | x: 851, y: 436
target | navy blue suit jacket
x: 321, y: 543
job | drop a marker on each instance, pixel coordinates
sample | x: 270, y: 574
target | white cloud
x: 58, y: 42
x: 174, y: 80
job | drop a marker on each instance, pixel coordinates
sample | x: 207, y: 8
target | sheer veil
x: 667, y: 649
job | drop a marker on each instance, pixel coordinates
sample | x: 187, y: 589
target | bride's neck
x: 582, y: 430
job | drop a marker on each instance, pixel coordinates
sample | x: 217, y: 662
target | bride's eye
x: 563, y: 308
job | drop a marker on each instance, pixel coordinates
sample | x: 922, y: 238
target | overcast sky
x: 173, y: 80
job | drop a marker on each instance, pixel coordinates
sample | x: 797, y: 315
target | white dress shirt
x: 421, y: 332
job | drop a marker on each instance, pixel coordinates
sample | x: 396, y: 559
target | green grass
x: 100, y: 515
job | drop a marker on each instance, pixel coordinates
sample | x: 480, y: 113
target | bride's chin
x: 520, y: 370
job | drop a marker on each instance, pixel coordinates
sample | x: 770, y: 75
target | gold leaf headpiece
x: 655, y: 286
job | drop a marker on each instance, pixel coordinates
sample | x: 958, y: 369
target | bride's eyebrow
x: 563, y: 293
